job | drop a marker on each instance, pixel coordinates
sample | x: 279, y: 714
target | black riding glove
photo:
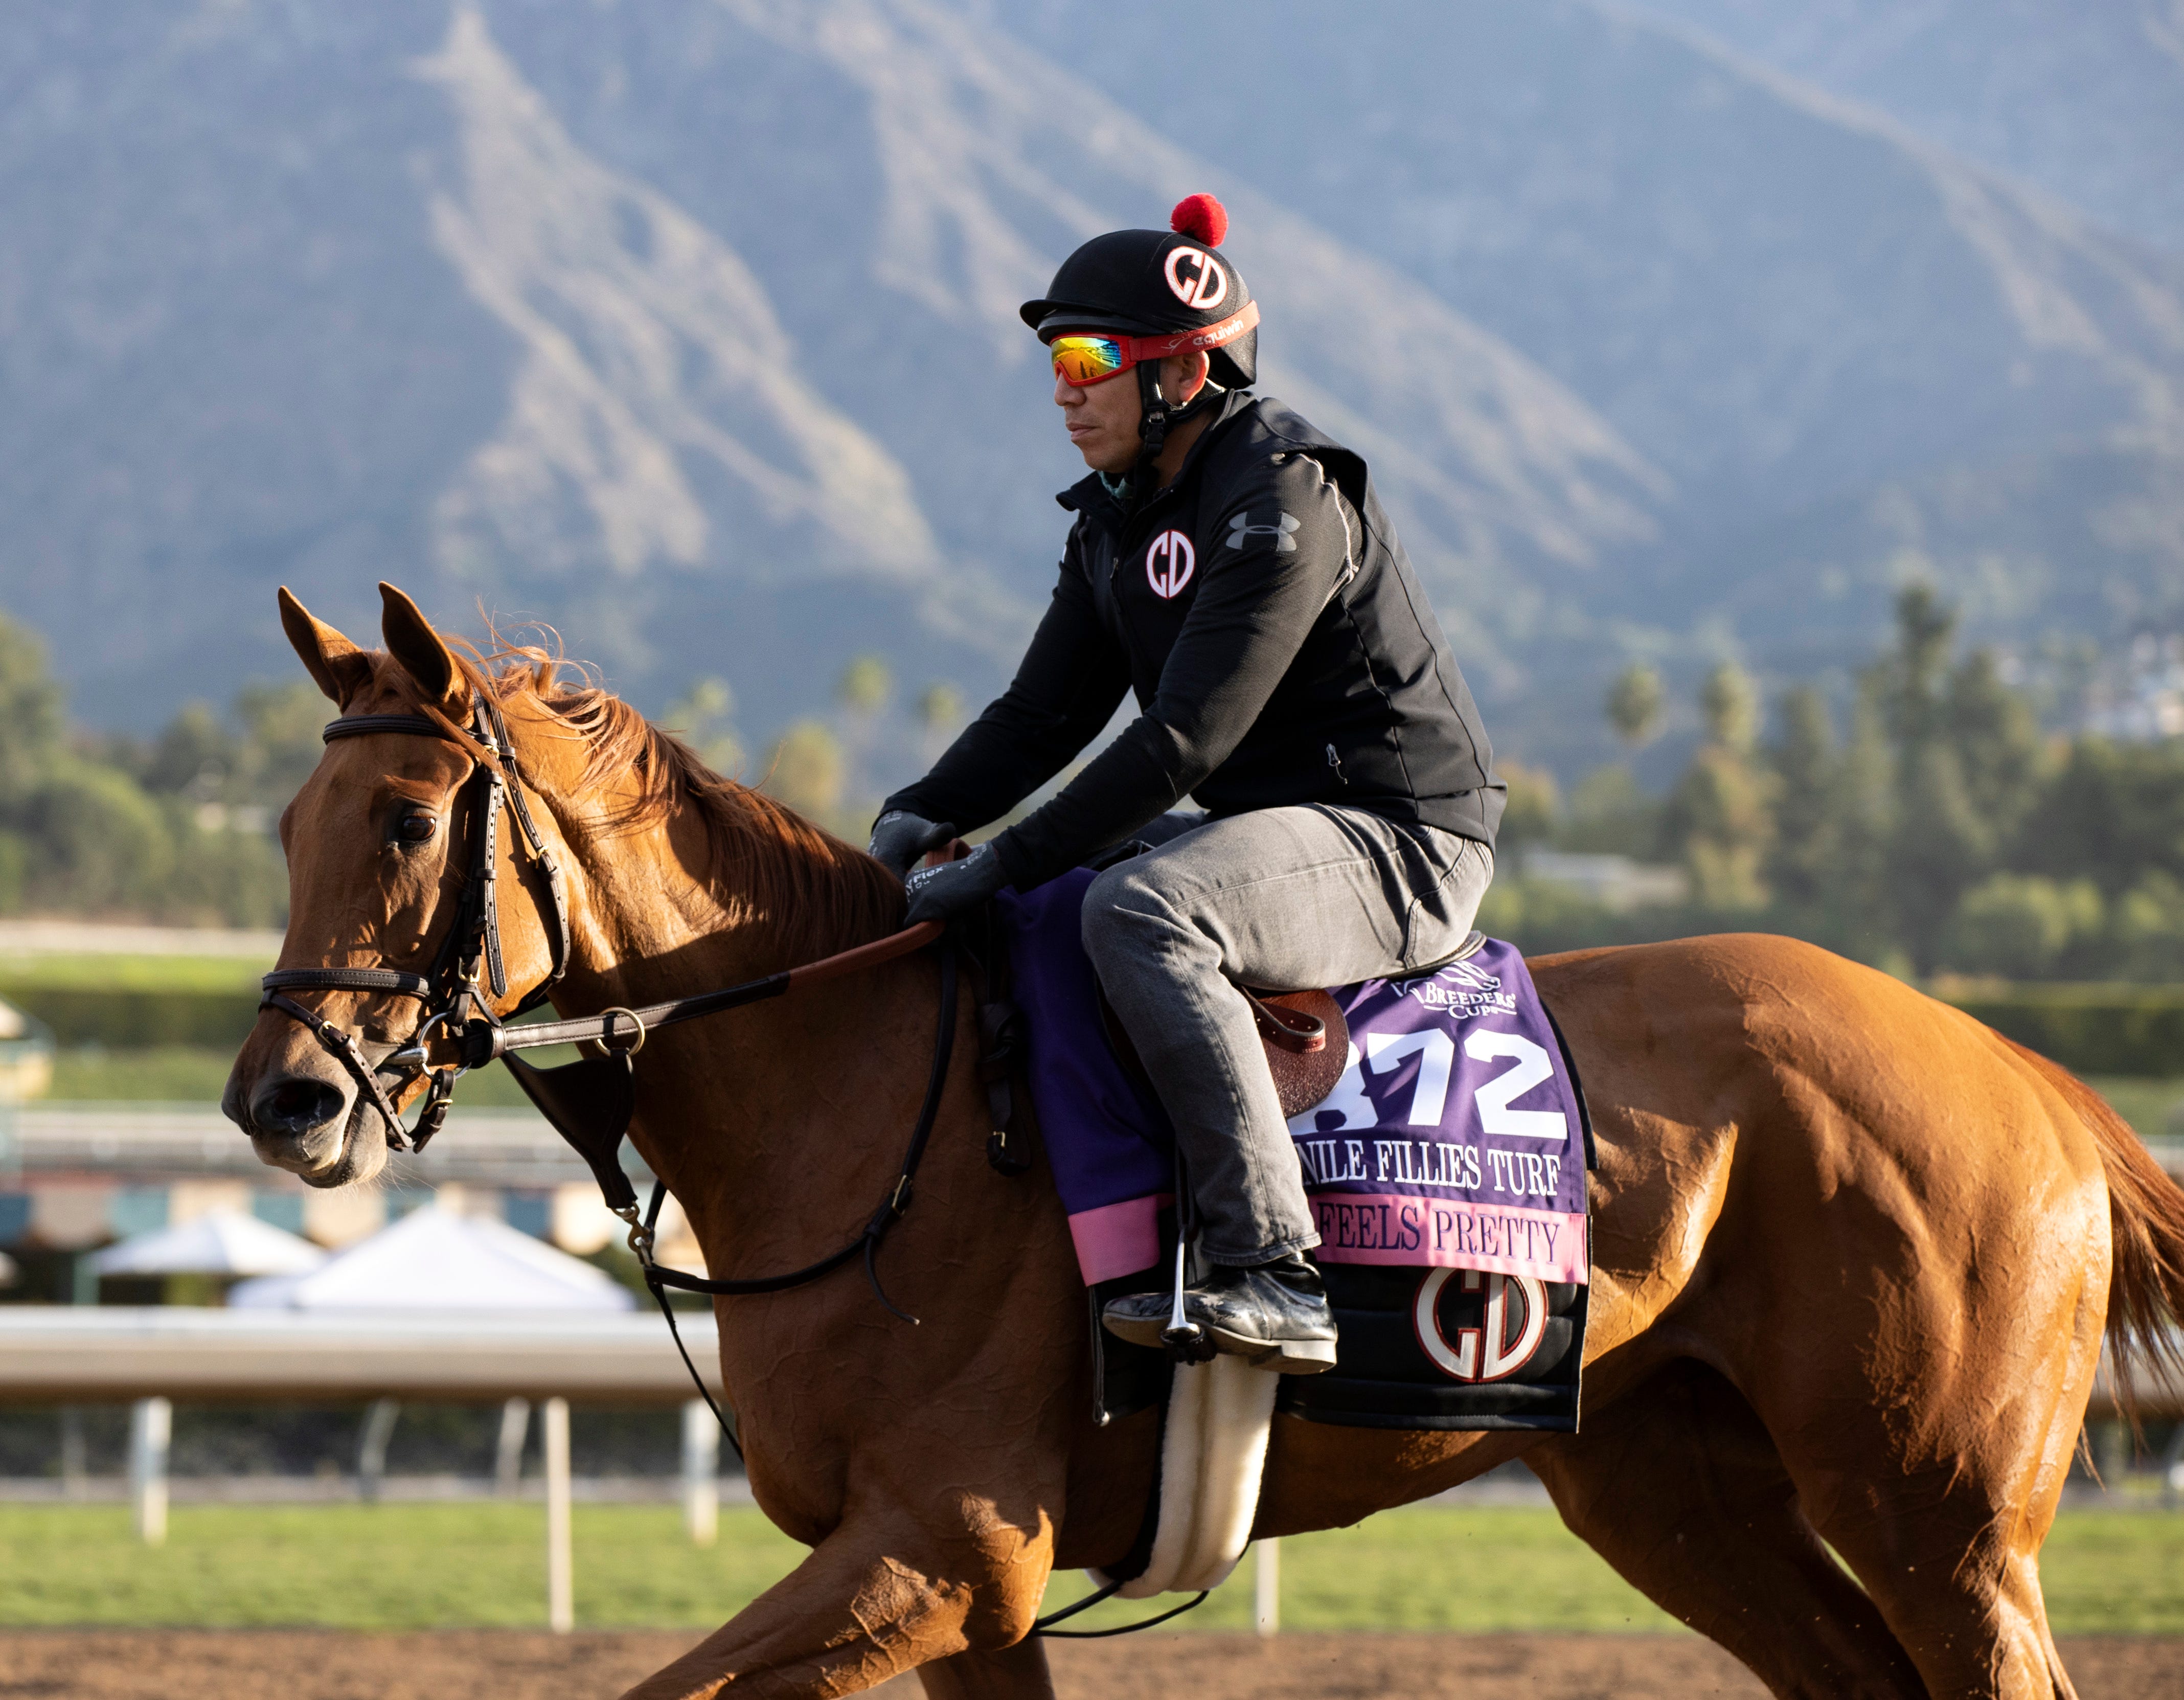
x: 900, y: 838
x: 938, y: 893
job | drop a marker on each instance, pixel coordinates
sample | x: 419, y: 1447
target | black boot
x: 1275, y: 1315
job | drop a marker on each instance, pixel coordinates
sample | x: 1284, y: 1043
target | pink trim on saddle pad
x: 1118, y: 1238
x: 1391, y: 1227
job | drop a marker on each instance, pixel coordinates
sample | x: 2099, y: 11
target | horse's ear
x: 411, y: 640
x: 336, y: 665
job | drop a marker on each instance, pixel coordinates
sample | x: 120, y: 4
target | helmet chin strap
x: 1152, y: 428
x: 1159, y: 418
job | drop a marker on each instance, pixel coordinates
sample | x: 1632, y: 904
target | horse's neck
x: 644, y: 930
x: 732, y: 1107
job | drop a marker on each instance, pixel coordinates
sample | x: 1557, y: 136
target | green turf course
x: 2154, y: 1108
x: 96, y: 972
x: 189, y: 1074
x: 446, y: 1566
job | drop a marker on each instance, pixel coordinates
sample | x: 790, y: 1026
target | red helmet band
x: 1137, y: 348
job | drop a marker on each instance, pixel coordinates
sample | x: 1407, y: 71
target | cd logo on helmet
x: 1208, y: 285
x: 1170, y: 561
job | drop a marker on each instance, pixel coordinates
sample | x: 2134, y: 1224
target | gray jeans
x: 1278, y: 900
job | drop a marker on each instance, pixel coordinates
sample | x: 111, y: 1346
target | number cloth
x: 1445, y: 1174
x: 1454, y: 1140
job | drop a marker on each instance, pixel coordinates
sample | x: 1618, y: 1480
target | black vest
x: 1371, y: 710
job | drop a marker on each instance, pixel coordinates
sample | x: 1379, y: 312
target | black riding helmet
x: 1157, y: 283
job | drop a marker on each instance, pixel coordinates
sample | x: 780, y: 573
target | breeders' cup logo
x: 1460, y: 987
x: 1196, y: 277
x: 1241, y: 527
x: 1170, y: 561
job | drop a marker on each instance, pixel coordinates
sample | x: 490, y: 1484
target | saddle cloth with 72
x: 1454, y: 1138
x: 1446, y: 1172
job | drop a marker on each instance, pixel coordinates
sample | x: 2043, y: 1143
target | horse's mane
x: 771, y: 868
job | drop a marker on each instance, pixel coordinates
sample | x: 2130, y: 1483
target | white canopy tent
x: 434, y: 1260
x: 220, y: 1242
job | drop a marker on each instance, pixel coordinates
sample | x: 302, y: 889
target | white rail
x: 85, y: 1354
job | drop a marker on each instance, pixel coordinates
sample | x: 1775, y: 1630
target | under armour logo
x: 1241, y: 527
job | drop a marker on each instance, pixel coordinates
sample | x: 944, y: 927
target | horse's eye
x: 416, y: 826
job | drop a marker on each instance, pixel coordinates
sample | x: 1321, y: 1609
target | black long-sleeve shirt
x: 1280, y: 646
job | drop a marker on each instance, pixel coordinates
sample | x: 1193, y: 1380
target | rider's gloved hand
x: 936, y: 893
x: 900, y: 838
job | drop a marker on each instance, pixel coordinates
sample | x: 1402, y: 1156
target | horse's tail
x: 2146, y: 1226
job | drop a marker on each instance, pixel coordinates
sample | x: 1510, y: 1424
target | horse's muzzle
x: 294, y: 1107
x: 297, y: 1120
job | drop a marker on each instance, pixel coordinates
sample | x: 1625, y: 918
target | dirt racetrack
x: 302, y: 1664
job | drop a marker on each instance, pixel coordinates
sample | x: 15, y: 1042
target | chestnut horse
x: 1853, y: 1254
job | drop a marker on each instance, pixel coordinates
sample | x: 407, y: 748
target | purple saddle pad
x: 1454, y: 1138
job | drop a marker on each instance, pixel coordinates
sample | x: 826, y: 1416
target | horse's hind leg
x: 1012, y: 1673
x: 1678, y: 1486
x: 1943, y: 1524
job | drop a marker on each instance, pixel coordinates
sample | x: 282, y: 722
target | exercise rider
x: 1231, y: 566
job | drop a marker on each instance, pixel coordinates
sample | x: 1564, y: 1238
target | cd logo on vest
x: 1170, y: 561
x: 1207, y: 284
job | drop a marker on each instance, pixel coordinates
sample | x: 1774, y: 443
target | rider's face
x: 1102, y: 418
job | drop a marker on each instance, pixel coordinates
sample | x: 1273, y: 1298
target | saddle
x: 1305, y: 1037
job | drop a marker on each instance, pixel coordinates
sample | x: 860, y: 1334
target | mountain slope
x: 2086, y: 101
x: 1793, y: 306
x: 648, y: 343
x: 690, y: 328
x: 900, y: 288
x: 1751, y: 282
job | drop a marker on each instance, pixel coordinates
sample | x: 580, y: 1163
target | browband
x: 349, y: 980
x: 364, y: 725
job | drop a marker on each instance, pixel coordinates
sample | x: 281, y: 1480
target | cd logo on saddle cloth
x: 1170, y: 559
x: 1206, y: 286
x: 1501, y: 1348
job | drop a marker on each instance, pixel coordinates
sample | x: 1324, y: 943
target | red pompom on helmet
x: 1201, y: 218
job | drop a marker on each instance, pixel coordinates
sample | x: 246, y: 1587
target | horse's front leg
x: 1012, y: 1673
x: 885, y: 1592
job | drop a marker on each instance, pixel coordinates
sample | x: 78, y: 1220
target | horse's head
x: 379, y: 843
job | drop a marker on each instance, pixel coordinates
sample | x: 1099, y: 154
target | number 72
x: 1437, y: 1053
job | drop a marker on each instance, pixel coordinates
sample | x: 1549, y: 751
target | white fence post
x: 151, y: 1426
x: 508, y: 1453
x: 560, y: 1589
x: 76, y: 1468
x: 701, y: 1472
x: 380, y: 1417
x: 1266, y: 1587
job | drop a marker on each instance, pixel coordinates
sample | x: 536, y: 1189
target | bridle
x: 451, y: 991
x: 589, y: 1101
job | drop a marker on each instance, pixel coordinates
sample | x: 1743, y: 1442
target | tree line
x: 178, y: 828
x: 1921, y: 819
x: 174, y: 828
x: 1925, y: 824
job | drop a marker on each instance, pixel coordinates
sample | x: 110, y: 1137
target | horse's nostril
x: 296, y: 1105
